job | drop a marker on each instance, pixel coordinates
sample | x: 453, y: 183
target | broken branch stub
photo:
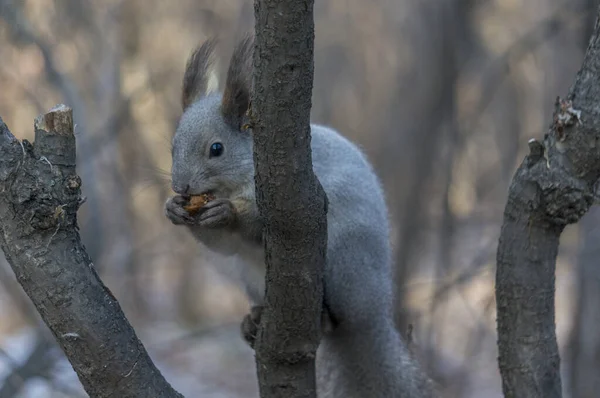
x: 54, y: 137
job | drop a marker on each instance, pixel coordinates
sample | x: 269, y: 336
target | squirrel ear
x: 199, y: 73
x: 236, y: 94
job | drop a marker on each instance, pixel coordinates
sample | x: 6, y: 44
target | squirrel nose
x: 181, y: 189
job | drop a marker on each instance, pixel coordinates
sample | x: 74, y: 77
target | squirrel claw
x: 176, y: 213
x: 249, y: 326
x: 217, y: 213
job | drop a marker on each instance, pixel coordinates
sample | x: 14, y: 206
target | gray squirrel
x: 361, y: 353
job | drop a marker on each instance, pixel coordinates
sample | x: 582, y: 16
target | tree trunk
x: 39, y: 199
x: 290, y: 199
x: 553, y: 187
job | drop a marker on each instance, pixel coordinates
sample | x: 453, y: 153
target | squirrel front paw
x: 176, y: 213
x: 217, y: 213
x: 249, y: 326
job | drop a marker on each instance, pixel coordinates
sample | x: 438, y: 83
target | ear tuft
x: 236, y: 94
x: 198, y: 77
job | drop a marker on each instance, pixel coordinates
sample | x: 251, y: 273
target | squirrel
x: 361, y: 353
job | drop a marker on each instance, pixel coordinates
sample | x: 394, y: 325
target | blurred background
x: 442, y: 95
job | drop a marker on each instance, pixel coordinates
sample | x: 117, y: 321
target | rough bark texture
x: 553, y: 187
x: 39, y: 199
x: 290, y: 198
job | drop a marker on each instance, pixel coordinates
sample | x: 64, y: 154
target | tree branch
x: 291, y: 201
x: 39, y: 199
x: 553, y: 187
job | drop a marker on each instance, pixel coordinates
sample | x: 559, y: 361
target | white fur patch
x: 212, y: 83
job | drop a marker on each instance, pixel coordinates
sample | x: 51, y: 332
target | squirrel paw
x: 249, y: 326
x: 217, y: 213
x: 176, y: 213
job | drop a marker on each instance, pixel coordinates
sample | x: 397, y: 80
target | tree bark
x: 290, y: 199
x: 39, y: 199
x: 552, y: 188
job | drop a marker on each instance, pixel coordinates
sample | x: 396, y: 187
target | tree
x: 40, y: 194
x: 290, y: 199
x: 553, y: 187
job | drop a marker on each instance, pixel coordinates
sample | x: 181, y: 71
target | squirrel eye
x: 216, y: 149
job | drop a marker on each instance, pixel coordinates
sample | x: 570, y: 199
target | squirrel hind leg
x: 249, y: 325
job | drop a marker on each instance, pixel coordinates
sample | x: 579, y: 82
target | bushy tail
x: 370, y: 363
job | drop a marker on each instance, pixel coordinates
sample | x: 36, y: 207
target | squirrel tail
x: 373, y: 362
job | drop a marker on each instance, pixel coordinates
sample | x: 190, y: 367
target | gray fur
x: 195, y: 79
x: 363, y: 356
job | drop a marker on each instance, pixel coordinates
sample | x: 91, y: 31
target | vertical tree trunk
x: 290, y: 198
x: 553, y: 187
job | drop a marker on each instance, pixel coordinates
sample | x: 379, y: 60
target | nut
x: 197, y: 202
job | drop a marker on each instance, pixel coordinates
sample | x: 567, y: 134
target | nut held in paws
x: 197, y: 202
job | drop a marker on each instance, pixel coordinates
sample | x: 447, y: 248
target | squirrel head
x: 212, y: 149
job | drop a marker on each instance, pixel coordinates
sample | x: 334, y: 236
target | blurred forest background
x: 443, y: 96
